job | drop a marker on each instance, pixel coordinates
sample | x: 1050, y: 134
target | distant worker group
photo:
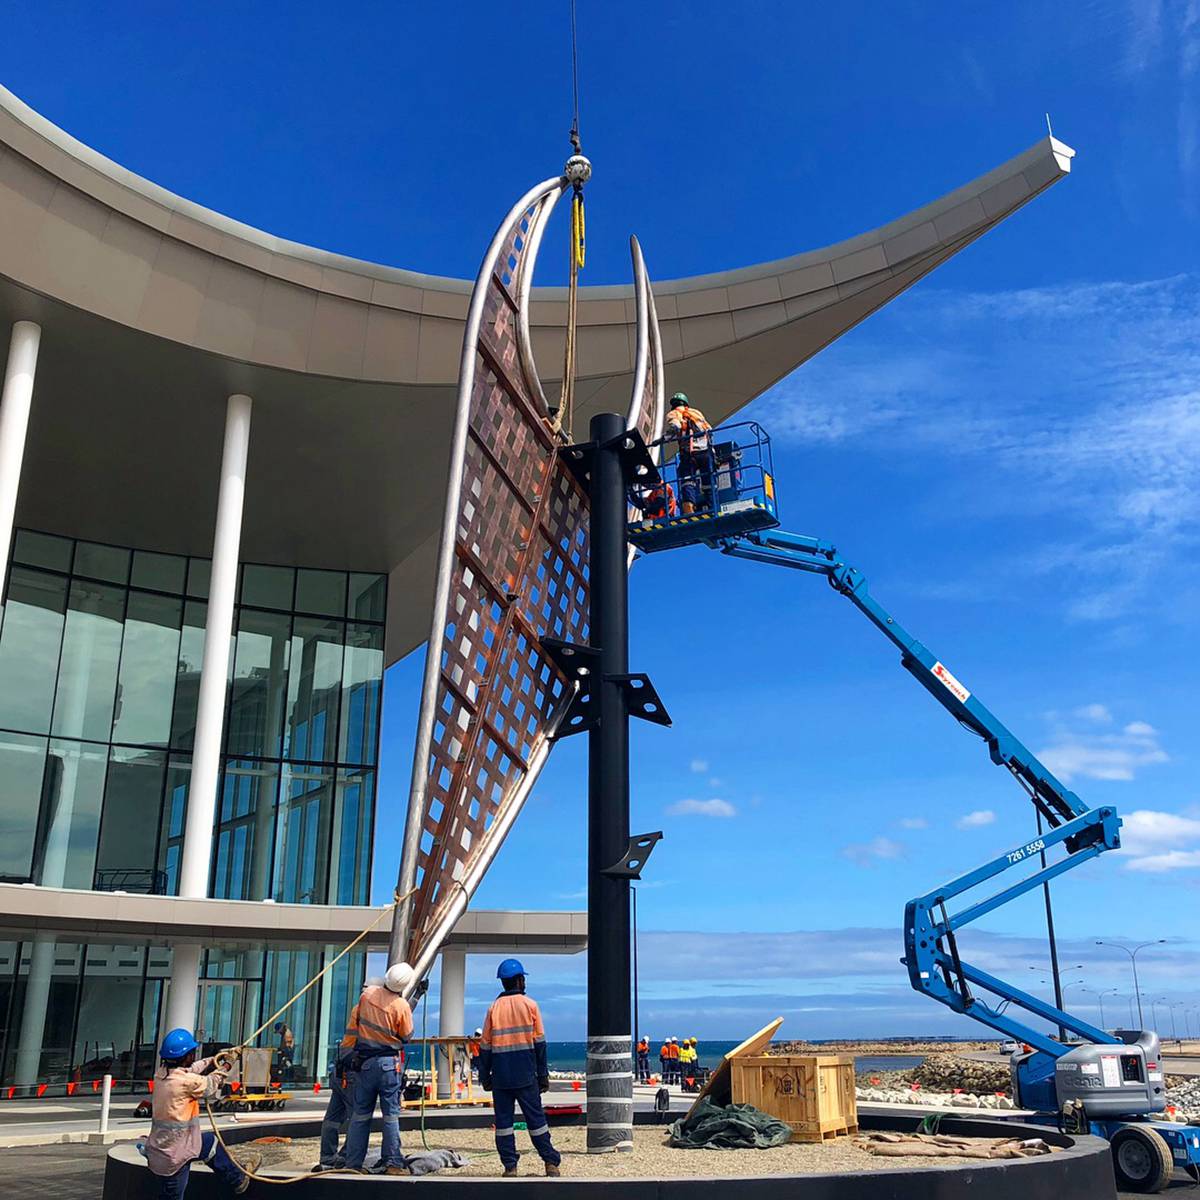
x: 680, y: 1061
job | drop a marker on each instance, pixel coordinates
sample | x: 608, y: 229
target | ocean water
x: 572, y: 1056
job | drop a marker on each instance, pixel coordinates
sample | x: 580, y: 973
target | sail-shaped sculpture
x: 512, y: 571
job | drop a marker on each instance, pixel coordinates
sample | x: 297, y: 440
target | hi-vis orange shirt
x: 175, y: 1123
x: 381, y: 1022
x: 512, y: 1051
x: 690, y: 425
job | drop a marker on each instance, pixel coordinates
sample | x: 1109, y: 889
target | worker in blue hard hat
x: 514, y: 1068
x: 692, y: 431
x: 176, y: 1140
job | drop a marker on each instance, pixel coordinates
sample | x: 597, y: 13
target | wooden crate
x: 813, y: 1093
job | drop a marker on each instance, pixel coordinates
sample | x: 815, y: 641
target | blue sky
x: 1008, y: 451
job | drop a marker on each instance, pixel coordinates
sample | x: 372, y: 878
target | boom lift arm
x: 935, y: 967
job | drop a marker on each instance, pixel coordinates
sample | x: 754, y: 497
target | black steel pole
x: 610, y: 1040
x: 1058, y: 996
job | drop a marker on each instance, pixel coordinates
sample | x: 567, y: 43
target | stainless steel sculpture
x: 512, y: 570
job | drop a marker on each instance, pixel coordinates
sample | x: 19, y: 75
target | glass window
x: 29, y: 646
x: 259, y: 684
x: 72, y: 788
x: 362, y: 688
x: 41, y: 1050
x: 199, y: 576
x: 109, y: 563
x: 287, y: 971
x: 87, y: 676
x: 174, y: 814
x: 43, y: 550
x: 149, y: 670
x: 350, y: 851
x: 302, y: 834
x: 368, y: 597
x: 158, y: 572
x: 22, y: 764
x: 187, y: 677
x: 321, y: 592
x: 127, y: 858
x: 267, y: 587
x: 106, y: 1029
x: 244, y: 831
x: 314, y: 683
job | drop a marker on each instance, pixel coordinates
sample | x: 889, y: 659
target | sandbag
x: 712, y: 1126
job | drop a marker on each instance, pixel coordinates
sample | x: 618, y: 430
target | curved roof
x: 154, y: 308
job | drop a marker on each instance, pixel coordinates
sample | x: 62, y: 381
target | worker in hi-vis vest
x: 514, y: 1068
x: 691, y: 429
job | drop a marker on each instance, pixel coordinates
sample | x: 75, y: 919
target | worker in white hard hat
x: 381, y: 1023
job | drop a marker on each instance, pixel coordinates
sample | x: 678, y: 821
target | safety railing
x: 713, y: 484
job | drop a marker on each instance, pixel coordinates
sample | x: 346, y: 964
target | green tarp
x: 712, y: 1126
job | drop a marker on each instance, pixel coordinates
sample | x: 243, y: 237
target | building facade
x: 100, y: 651
x: 223, y: 459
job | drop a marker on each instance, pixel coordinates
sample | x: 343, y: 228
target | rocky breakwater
x: 941, y: 1081
x: 1183, y: 1099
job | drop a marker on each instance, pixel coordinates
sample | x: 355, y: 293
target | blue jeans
x: 212, y: 1154
x: 337, y: 1117
x: 530, y: 1100
x: 379, y: 1079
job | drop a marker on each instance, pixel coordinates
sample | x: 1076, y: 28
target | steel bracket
x: 641, y: 698
x: 636, y: 464
x: 577, y: 662
x: 630, y: 865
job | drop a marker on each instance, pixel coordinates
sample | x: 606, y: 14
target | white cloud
x: 1106, y: 421
x: 976, y: 819
x: 702, y: 808
x: 1095, y: 712
x: 699, y: 765
x: 1160, y: 841
x: 1110, y: 756
x: 913, y: 823
x: 878, y: 849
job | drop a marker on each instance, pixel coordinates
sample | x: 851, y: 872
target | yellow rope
x: 275, y: 1016
x: 563, y: 418
x: 579, y: 230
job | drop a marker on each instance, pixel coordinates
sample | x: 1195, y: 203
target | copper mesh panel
x: 520, y: 574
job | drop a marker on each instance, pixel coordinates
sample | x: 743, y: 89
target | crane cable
x: 578, y: 247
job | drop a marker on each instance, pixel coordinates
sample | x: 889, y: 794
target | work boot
x: 396, y: 1171
x: 552, y: 1169
x: 510, y: 1173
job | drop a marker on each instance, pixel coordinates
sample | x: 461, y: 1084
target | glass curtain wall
x: 100, y: 651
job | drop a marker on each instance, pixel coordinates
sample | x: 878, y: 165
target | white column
x: 14, y: 422
x: 210, y: 705
x: 451, y: 1011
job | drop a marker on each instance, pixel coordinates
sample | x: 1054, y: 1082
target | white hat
x: 399, y: 976
x: 478, y: 1033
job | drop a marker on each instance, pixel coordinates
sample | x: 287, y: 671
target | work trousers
x: 212, y: 1154
x: 377, y: 1080
x: 643, y: 1068
x: 336, y: 1120
x: 530, y: 1100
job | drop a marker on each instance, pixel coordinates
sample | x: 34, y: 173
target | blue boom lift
x: 1106, y: 1083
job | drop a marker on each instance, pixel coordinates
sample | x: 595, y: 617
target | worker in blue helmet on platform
x: 513, y: 1067
x: 176, y: 1140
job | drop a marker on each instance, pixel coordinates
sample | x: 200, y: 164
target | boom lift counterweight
x: 1108, y: 1082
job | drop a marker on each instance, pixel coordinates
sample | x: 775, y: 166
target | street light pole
x: 637, y: 1020
x: 1133, y: 962
x: 1058, y: 997
x: 1100, y: 996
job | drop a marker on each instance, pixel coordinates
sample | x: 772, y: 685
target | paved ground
x: 52, y: 1173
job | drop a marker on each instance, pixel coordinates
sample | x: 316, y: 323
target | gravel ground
x: 651, y: 1156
